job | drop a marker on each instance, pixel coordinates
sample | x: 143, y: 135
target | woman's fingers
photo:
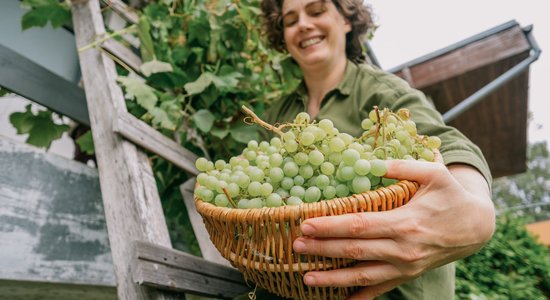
x: 363, y: 274
x: 355, y: 225
x: 358, y: 249
x: 420, y: 171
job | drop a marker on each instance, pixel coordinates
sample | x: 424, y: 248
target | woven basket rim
x: 293, y: 211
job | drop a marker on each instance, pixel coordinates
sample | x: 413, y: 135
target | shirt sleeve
x: 455, y: 146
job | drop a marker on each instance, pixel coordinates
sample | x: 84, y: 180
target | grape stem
x: 229, y: 198
x: 261, y: 122
x: 377, y: 131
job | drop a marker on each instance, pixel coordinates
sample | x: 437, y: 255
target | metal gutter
x: 497, y: 82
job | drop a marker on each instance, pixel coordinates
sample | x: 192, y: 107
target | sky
x: 410, y: 29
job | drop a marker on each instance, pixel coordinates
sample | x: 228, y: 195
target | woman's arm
x: 450, y: 217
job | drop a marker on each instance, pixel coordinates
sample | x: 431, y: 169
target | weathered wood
x: 115, y: 22
x: 32, y: 81
x: 208, y: 250
x: 123, y: 53
x: 165, y: 268
x: 473, y: 56
x: 131, y: 201
x: 123, y: 10
x: 149, y: 138
x: 52, y: 224
x: 25, y: 290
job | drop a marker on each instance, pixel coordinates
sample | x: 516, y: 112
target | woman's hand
x: 451, y: 216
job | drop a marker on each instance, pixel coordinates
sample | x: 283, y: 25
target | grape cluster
x: 311, y: 161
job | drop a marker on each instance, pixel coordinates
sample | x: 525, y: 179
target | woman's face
x: 314, y: 31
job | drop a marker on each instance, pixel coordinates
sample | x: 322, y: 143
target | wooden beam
x: 34, y: 82
x: 473, y: 56
x: 208, y: 250
x: 170, y: 269
x: 130, y: 198
x: 123, y: 53
x: 123, y: 10
x: 149, y: 138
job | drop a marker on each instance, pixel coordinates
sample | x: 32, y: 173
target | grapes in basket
x: 310, y: 161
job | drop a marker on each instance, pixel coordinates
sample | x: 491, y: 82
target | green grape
x: 291, y: 146
x: 350, y: 156
x: 434, y: 142
x: 204, y: 193
x: 373, y: 117
x: 335, y: 158
x: 374, y: 180
x: 301, y: 158
x: 275, y: 160
x: 276, y: 174
x: 233, y: 190
x: 243, y: 203
x: 299, y: 180
x: 290, y: 169
x: 306, y: 171
x: 209, y: 166
x: 264, y: 146
x: 292, y: 200
x: 392, y: 120
x: 366, y: 124
x: 360, y: 184
x: 336, y: 144
x: 201, y: 178
x: 254, y: 189
x: 322, y: 181
x: 252, y: 145
x: 282, y: 192
x: 329, y: 192
x: 287, y: 183
x: 250, y: 155
x: 306, y: 138
x: 316, y: 157
x: 342, y: 190
x: 255, y: 173
x: 378, y: 167
x: 427, y: 154
x: 361, y: 167
x: 289, y: 136
x: 273, y: 200
x: 242, y: 179
x: 347, y: 138
x: 201, y: 164
x: 221, y: 200
x: 326, y: 125
x: 297, y: 191
x: 266, y: 189
x: 302, y: 118
x: 410, y: 126
x: 276, y: 142
x: 327, y: 168
x: 402, y: 135
x: 312, y: 194
x: 220, y: 186
x: 388, y: 181
x: 255, y: 203
x: 219, y: 164
x: 357, y: 147
x: 347, y: 173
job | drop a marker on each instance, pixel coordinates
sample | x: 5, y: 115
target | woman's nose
x: 304, y: 23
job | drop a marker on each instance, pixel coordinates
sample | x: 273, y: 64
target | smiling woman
x: 450, y: 217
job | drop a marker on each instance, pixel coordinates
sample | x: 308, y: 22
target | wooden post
x: 132, y: 206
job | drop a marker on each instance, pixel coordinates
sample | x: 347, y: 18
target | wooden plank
x: 149, y: 138
x: 34, y: 82
x: 478, y: 54
x: 123, y: 54
x: 123, y: 10
x: 170, y: 269
x: 25, y: 290
x: 130, y: 198
x: 208, y: 250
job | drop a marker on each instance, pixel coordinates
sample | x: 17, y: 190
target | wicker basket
x: 258, y: 242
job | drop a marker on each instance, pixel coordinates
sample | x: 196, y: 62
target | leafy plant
x: 40, y: 127
x: 42, y: 12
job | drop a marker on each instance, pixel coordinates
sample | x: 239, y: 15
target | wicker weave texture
x: 258, y: 242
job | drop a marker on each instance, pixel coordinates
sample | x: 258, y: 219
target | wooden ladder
x: 145, y: 264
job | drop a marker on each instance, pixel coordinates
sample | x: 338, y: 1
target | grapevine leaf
x: 160, y: 117
x: 219, y: 132
x: 244, y: 133
x: 199, y: 85
x: 138, y: 90
x: 44, y: 12
x: 22, y: 121
x: 86, y: 143
x: 199, y: 29
x: 227, y: 81
x: 44, y: 131
x: 155, y: 66
x: 204, y: 120
x: 147, y: 49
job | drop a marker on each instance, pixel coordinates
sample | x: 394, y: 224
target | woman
x: 406, y: 253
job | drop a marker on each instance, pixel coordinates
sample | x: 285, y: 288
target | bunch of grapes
x: 311, y: 161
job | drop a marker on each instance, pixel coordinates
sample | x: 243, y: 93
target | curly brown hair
x: 355, y: 11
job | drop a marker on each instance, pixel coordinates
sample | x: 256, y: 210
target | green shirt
x: 362, y: 88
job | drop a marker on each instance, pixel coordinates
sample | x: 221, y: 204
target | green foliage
x: 56, y: 12
x: 511, y: 266
x: 86, y: 143
x: 3, y: 92
x: 40, y: 127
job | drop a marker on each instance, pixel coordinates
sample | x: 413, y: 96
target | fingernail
x: 309, y: 280
x: 307, y: 229
x: 299, y: 246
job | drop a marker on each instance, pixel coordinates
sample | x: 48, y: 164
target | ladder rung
x: 165, y: 268
x: 141, y: 134
x: 123, y: 10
